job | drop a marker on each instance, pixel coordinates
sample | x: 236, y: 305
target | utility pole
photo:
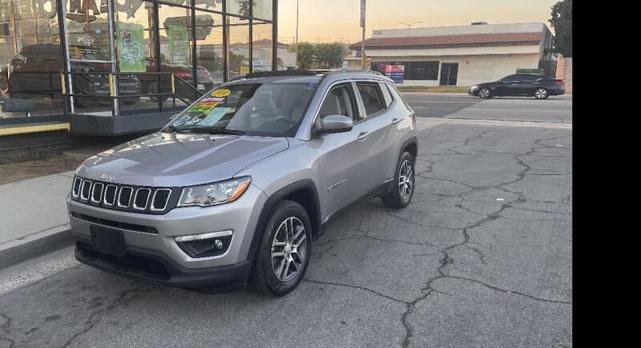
x: 363, y: 57
x: 296, y: 33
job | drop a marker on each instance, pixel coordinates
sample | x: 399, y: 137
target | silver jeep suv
x: 237, y: 186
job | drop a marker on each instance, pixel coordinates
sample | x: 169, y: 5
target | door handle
x: 363, y: 135
x: 396, y: 120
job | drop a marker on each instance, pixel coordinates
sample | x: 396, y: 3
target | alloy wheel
x: 484, y: 93
x: 541, y: 93
x: 406, y: 180
x: 288, y: 249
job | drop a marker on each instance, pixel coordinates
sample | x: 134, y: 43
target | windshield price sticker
x: 204, y: 106
x: 221, y: 93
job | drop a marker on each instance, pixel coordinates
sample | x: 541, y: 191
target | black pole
x: 251, y: 36
x: 63, y: 52
x: 274, y: 35
x: 156, y: 33
x: 225, y: 48
x: 194, y: 52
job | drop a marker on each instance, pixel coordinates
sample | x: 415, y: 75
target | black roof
x: 259, y: 74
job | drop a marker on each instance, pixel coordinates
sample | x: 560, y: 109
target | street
x: 481, y: 257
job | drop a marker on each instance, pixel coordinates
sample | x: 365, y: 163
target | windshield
x: 272, y: 109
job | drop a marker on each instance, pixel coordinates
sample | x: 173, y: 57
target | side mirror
x: 336, y: 124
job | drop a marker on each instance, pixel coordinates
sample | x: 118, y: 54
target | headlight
x: 214, y: 194
x: 474, y: 88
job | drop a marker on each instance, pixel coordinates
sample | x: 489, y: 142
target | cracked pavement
x: 482, y: 257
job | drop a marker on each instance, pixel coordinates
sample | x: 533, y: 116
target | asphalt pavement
x: 481, y: 257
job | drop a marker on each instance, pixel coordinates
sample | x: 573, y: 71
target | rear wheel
x: 284, y: 252
x: 484, y: 93
x: 403, y: 190
x: 541, y: 93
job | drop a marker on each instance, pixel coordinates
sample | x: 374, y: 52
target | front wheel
x: 404, y: 181
x: 484, y: 93
x: 541, y: 93
x: 284, y: 252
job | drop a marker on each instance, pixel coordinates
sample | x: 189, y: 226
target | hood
x: 175, y: 159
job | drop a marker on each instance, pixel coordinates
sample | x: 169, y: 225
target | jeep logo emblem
x: 108, y: 178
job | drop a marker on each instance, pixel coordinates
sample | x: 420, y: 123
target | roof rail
x: 280, y: 73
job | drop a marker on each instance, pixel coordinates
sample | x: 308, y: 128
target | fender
x: 406, y: 143
x: 271, y: 203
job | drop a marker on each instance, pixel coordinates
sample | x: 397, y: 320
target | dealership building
x: 110, y: 67
x: 460, y: 55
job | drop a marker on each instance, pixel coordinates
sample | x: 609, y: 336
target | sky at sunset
x: 338, y: 20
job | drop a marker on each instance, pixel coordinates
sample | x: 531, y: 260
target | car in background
x: 151, y: 82
x: 531, y: 85
x: 35, y: 72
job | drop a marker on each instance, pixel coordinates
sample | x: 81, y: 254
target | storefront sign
x: 83, y: 11
x: 178, y: 45
x: 128, y: 6
x: 131, y: 47
x: 204, y: 24
x: 395, y: 72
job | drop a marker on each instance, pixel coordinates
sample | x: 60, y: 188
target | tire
x: 272, y: 274
x: 152, y: 88
x: 403, y: 190
x: 4, y: 85
x: 485, y: 93
x: 541, y: 93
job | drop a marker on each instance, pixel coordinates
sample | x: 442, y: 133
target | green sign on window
x: 178, y: 45
x: 131, y: 47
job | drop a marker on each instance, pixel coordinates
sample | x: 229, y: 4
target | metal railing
x: 108, y: 86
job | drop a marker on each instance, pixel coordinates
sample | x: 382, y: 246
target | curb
x: 36, y: 244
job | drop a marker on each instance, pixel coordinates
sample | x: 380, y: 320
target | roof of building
x: 451, y: 40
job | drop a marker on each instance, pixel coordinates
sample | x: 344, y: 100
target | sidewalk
x: 33, y: 216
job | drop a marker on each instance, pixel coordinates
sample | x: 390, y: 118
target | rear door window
x: 386, y: 94
x: 372, y: 97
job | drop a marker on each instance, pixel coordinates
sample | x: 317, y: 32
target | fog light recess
x: 205, y: 244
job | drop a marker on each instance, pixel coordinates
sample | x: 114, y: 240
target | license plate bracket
x: 107, y: 240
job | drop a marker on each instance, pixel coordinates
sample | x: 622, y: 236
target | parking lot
x: 481, y: 257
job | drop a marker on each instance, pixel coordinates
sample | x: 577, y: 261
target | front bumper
x: 155, y: 267
x: 172, y: 265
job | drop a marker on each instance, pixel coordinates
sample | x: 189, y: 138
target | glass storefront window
x: 135, y: 53
x: 238, y: 46
x: 176, y: 48
x: 239, y: 7
x: 29, y: 57
x: 209, y: 48
x: 262, y: 46
x: 123, y: 51
x: 211, y: 5
x: 262, y: 9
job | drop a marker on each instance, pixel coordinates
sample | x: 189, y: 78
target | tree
x: 306, y: 55
x: 322, y: 55
x: 561, y: 21
x: 330, y: 55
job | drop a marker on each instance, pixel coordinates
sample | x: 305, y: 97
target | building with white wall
x: 460, y: 55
